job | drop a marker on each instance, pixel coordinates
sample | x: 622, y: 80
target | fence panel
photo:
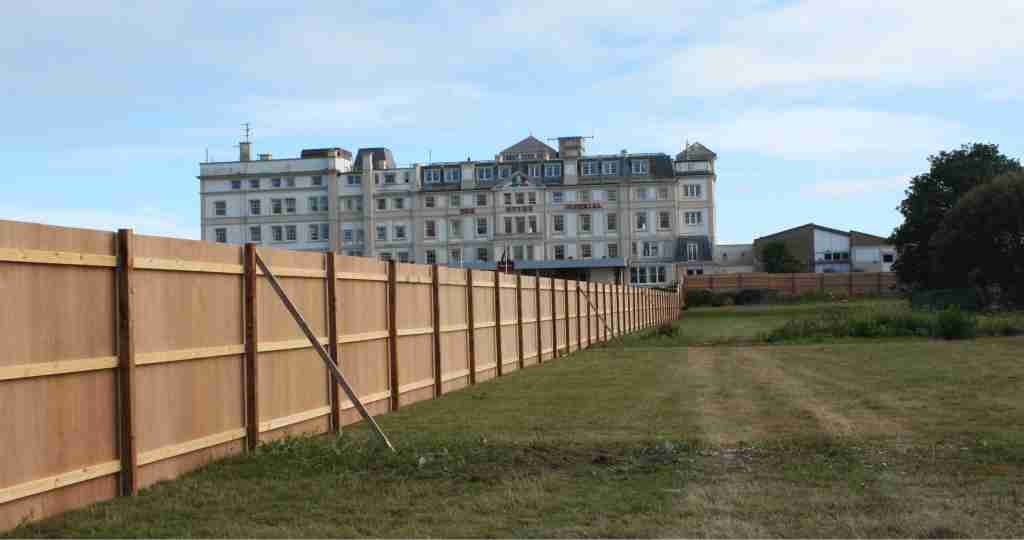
x: 363, y: 334
x: 454, y: 329
x: 414, y: 320
x: 839, y: 283
x: 509, y: 326
x: 531, y: 324
x: 484, y: 321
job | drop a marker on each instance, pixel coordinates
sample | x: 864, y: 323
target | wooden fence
x: 133, y: 359
x: 846, y: 283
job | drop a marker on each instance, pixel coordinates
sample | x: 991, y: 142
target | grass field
x: 880, y: 439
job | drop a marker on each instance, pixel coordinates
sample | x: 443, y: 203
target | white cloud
x: 149, y: 221
x: 853, y: 188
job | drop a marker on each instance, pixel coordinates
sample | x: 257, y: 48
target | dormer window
x: 640, y: 166
x: 505, y: 172
x: 609, y: 168
x: 432, y: 176
x: 552, y: 170
x: 453, y: 175
x: 591, y: 168
x: 485, y: 173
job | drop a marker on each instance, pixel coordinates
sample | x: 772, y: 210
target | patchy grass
x: 901, y: 438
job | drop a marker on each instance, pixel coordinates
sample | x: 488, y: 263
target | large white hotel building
x: 647, y: 218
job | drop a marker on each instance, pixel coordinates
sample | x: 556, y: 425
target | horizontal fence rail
x: 842, y: 283
x: 132, y: 359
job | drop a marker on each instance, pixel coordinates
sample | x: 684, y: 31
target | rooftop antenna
x: 246, y: 132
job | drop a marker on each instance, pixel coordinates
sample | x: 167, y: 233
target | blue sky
x: 819, y: 111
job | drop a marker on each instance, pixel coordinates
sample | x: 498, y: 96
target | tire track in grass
x: 728, y: 409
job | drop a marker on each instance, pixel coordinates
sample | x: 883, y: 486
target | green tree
x: 931, y: 196
x: 777, y: 259
x: 981, y: 240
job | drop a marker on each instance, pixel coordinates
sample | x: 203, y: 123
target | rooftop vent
x: 265, y: 157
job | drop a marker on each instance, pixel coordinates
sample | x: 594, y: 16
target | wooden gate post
x: 332, y: 335
x: 126, y: 363
x: 435, y: 300
x: 519, y: 318
x: 469, y: 326
x: 393, y: 335
x: 252, y: 401
x: 497, y: 322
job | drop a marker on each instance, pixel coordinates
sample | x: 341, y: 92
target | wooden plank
x: 455, y: 375
x: 183, y: 265
x: 362, y: 337
x: 519, y: 318
x: 435, y: 300
x: 497, y: 326
x: 162, y: 357
x: 359, y: 276
x: 367, y: 399
x: 416, y: 385
x: 393, y: 336
x: 284, y: 421
x: 57, y: 481
x: 126, y: 364
x: 36, y: 256
x: 330, y: 266
x: 296, y: 272
x: 174, y: 450
x: 252, y: 411
x: 415, y: 331
x: 470, y: 323
x: 61, y: 367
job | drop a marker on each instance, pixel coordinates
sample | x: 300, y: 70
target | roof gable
x: 695, y: 151
x: 530, y: 144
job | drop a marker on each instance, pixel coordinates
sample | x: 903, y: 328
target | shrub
x: 666, y: 330
x: 748, y: 297
x: 720, y: 299
x: 940, y: 299
x: 699, y: 297
x: 952, y: 323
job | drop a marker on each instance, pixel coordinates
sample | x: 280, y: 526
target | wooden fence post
x: 519, y: 318
x: 126, y: 363
x: 536, y: 296
x: 851, y: 283
x: 794, y: 283
x: 821, y: 282
x: 435, y: 300
x: 469, y: 326
x: 252, y: 401
x: 604, y: 309
x: 393, y: 334
x: 879, y: 283
x: 579, y: 318
x: 590, y: 333
x: 332, y: 336
x: 554, y: 321
x: 711, y: 282
x: 497, y: 322
x: 565, y: 304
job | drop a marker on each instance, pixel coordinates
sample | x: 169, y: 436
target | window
x: 530, y: 253
x: 508, y: 225
x: 276, y: 206
x: 651, y: 249
x: 429, y: 202
x: 639, y: 166
x: 360, y: 235
x: 557, y: 197
x: 586, y: 251
x: 355, y: 179
x: 504, y: 172
x: 517, y: 253
x: 695, y: 271
x: 277, y: 233
x: 887, y: 257
x: 318, y: 204
x: 532, y: 220
x: 254, y: 207
x: 691, y: 190
x: 389, y: 178
x: 430, y: 228
x: 481, y: 226
x: 254, y: 183
x: 382, y: 204
x: 612, y: 222
x: 664, y: 220
x: 613, y: 250
x: 552, y: 170
x: 403, y: 256
x: 431, y: 256
x: 399, y: 232
x: 384, y: 255
x: 455, y: 200
x: 485, y: 173
x: 221, y: 234
x: 661, y: 274
x: 318, y: 180
x: 585, y: 223
x: 314, y: 232
x: 455, y: 228
x: 399, y: 203
x: 289, y: 182
x: 612, y: 195
x: 347, y: 235
x: 481, y: 254
x: 275, y: 182
x: 532, y: 197
x: 609, y: 168
x: 289, y: 205
x: 663, y: 193
x: 452, y: 175
x: 455, y: 256
x: 406, y: 176
x: 508, y: 198
x: 255, y: 234
x: 642, y: 194
x: 431, y: 176
x: 382, y: 233
x: 641, y: 221
x: 590, y: 168
x: 220, y: 208
x: 481, y: 199
x: 520, y: 198
x: 376, y: 178
x: 236, y: 184
x: 559, y: 252
x: 692, y: 251
x: 291, y: 233
x: 354, y: 253
x: 584, y: 196
x: 693, y: 218
x: 558, y: 223
x: 534, y: 170
x: 520, y: 225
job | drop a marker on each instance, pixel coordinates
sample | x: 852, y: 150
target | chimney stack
x: 245, y: 151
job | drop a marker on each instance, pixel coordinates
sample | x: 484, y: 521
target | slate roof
x: 529, y: 144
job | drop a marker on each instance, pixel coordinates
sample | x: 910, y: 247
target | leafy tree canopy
x: 777, y: 259
x: 932, y: 195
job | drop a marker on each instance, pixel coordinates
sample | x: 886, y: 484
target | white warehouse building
x: 648, y: 218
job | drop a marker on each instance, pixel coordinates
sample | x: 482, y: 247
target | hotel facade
x: 643, y: 217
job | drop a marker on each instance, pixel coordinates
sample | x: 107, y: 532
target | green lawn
x: 880, y: 439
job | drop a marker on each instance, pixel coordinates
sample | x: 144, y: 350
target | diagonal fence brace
x: 596, y: 311
x: 331, y: 366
